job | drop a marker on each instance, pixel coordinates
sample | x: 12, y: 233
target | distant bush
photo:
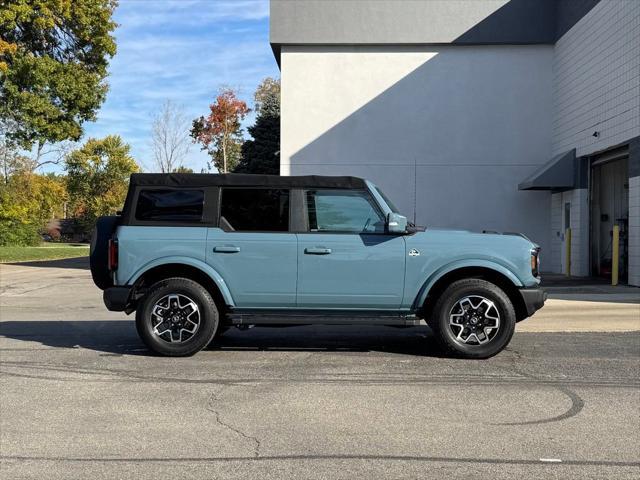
x: 27, y: 202
x: 15, y: 233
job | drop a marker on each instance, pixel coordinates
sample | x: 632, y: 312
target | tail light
x: 113, y: 254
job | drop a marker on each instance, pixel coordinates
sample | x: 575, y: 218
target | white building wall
x: 596, y: 79
x: 579, y: 224
x: 554, y: 262
x: 462, y: 125
x: 579, y: 199
x: 634, y: 231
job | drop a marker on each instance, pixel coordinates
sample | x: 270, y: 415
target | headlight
x: 535, y: 262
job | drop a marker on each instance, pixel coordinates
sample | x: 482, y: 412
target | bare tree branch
x: 48, y: 154
x: 170, y: 137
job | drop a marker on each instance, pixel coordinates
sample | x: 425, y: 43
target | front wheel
x: 177, y: 317
x: 473, y: 318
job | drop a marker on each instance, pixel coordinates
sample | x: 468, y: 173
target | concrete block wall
x: 553, y: 262
x: 579, y: 232
x: 596, y: 77
x: 579, y: 223
x: 634, y: 231
x: 596, y: 73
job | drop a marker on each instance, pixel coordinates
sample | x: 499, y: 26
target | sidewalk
x: 580, y: 304
x: 559, y: 283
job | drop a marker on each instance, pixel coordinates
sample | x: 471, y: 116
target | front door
x: 345, y: 258
x: 253, y: 250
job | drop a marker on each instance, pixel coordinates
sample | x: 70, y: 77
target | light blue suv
x: 195, y: 254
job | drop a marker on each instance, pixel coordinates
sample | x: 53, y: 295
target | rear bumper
x: 533, y: 299
x: 117, y: 299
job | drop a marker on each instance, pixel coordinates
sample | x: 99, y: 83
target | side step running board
x: 270, y: 317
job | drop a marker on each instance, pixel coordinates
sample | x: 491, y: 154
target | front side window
x: 255, y: 209
x: 343, y: 211
x: 170, y: 205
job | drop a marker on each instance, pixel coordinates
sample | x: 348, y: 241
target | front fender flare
x: 192, y: 262
x: 450, y: 267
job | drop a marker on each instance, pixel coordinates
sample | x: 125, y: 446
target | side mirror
x: 396, y: 223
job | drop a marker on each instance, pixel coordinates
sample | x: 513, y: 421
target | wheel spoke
x: 162, y: 328
x: 173, y: 301
x: 176, y: 336
x: 193, y: 328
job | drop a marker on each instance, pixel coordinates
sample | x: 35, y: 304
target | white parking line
x: 551, y: 460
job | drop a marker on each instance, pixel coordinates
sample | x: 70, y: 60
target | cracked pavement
x: 81, y: 398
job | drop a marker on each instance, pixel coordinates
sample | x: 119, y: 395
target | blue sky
x: 181, y: 50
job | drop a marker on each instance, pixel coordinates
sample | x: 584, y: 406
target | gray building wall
x: 422, y: 22
x: 596, y: 88
x: 392, y: 22
x: 596, y: 80
x: 449, y: 104
x: 448, y: 132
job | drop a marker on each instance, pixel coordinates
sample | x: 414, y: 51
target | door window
x: 343, y: 211
x: 255, y: 210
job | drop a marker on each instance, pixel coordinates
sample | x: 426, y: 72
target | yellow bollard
x: 567, y: 251
x: 615, y: 254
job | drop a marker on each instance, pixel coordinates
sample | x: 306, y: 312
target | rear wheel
x: 473, y: 318
x: 177, y: 317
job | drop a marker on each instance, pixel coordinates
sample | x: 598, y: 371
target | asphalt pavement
x: 80, y: 397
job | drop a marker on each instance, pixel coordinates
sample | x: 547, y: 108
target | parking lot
x: 82, y: 398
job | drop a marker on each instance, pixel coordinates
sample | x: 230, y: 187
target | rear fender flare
x: 192, y: 262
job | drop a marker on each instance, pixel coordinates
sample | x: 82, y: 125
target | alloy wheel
x: 175, y: 318
x: 474, y: 320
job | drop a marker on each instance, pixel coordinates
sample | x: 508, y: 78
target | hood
x: 484, y: 233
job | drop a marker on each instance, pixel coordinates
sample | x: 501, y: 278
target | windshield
x: 389, y: 203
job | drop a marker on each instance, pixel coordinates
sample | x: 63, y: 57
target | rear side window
x: 170, y: 205
x: 255, y: 209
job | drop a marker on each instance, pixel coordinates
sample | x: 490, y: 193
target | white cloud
x: 183, y: 51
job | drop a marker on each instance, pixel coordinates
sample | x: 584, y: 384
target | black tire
x: 447, y: 334
x: 208, y: 317
x: 98, y: 251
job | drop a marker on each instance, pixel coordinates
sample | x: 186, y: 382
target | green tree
x: 27, y: 202
x: 261, y: 154
x: 183, y: 169
x: 53, y: 61
x: 98, y: 177
x: 267, y: 94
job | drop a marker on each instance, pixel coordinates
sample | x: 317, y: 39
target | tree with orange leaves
x: 220, y: 133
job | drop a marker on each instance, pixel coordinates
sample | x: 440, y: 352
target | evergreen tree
x: 261, y: 154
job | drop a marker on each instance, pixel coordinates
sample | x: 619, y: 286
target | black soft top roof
x: 243, y: 180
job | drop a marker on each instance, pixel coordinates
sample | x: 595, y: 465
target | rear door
x: 253, y: 249
x: 345, y: 258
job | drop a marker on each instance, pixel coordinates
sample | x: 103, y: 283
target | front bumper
x: 117, y: 299
x: 533, y: 299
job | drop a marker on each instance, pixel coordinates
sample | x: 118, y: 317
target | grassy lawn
x: 51, y: 251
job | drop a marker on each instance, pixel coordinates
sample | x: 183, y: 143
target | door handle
x: 317, y: 251
x: 226, y: 249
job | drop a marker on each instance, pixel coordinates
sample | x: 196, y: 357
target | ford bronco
x: 196, y: 254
